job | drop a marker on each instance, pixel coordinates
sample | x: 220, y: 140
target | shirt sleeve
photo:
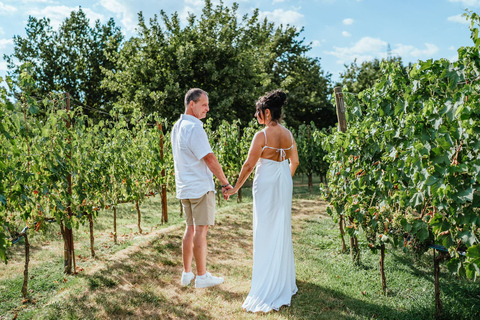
x: 199, y: 143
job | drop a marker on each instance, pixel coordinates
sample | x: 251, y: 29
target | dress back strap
x: 265, y: 134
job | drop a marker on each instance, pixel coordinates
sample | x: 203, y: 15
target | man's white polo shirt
x: 189, y: 145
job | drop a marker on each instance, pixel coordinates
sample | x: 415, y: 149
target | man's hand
x: 225, y: 191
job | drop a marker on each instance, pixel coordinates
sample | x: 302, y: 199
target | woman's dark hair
x: 274, y: 101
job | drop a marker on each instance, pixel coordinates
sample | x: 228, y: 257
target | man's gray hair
x: 193, y: 95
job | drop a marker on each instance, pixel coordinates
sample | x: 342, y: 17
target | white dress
x: 273, y: 275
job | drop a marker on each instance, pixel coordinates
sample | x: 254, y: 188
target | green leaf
x: 471, y: 270
x: 474, y: 252
x: 417, y: 199
x: 439, y: 224
x: 405, y: 225
x: 422, y: 234
x: 431, y: 180
x: 454, y: 265
x: 467, y: 237
x: 465, y: 195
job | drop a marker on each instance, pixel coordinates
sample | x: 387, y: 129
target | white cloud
x: 38, y: 1
x: 280, y: 16
x: 57, y: 14
x: 127, y: 15
x: 458, y: 19
x: 3, y: 66
x: 277, y: 1
x: 316, y: 43
x: 5, y: 9
x: 368, y: 48
x: 452, y: 48
x: 411, y: 51
x: 5, y: 43
x: 346, y: 34
x: 468, y: 3
x: 195, y: 3
x: 365, y: 49
x: 347, y: 21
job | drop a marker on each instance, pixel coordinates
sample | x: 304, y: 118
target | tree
x: 234, y: 60
x: 358, y: 78
x: 309, y: 92
x: 70, y: 59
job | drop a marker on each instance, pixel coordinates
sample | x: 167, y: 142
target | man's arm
x: 212, y: 163
x: 214, y: 166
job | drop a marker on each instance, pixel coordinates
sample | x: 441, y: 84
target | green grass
x: 138, y: 277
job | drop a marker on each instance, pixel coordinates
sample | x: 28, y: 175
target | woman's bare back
x: 279, y: 143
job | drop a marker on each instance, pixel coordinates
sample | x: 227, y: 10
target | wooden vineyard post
x: 382, y: 268
x: 436, y: 275
x: 162, y: 173
x: 67, y: 233
x: 342, y: 126
x: 25, y: 271
x: 139, y: 216
x: 92, y: 239
x: 25, y: 231
x: 342, y: 120
x: 115, y: 224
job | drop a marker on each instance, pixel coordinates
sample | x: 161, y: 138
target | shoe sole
x: 207, y: 285
x: 186, y: 284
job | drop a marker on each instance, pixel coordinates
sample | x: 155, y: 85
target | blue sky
x: 338, y: 30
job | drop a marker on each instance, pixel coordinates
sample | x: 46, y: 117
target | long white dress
x: 273, y: 275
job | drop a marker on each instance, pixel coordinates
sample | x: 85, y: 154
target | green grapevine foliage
x: 408, y: 167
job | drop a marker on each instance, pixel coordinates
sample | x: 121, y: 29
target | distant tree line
x: 235, y: 59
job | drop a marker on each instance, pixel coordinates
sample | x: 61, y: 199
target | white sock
x: 202, y: 277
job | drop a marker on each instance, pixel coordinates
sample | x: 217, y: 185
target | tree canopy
x: 70, y: 59
x: 236, y: 60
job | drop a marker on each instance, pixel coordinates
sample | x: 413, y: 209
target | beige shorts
x: 201, y: 211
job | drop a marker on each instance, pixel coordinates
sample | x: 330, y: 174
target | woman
x: 273, y: 275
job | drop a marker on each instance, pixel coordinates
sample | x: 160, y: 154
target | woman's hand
x: 231, y: 191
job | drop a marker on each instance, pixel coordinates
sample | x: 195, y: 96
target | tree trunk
x: 341, y: 223
x: 382, y: 268
x: 310, y: 182
x: 357, y: 250
x: 436, y: 274
x: 68, y: 251
x: 164, y: 204
x: 92, y: 239
x: 162, y: 173
x: 239, y: 195
x: 139, y: 216
x: 115, y: 224
x: 354, y: 250
x: 25, y: 271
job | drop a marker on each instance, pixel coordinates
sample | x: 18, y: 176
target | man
x: 195, y: 165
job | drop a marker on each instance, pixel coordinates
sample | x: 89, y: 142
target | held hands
x: 230, y: 192
x: 226, y: 191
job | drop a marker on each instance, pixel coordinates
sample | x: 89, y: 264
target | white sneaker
x: 208, y: 281
x: 187, y: 278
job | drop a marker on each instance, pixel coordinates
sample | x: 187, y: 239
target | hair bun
x: 278, y: 97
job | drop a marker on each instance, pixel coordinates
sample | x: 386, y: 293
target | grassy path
x: 139, y: 278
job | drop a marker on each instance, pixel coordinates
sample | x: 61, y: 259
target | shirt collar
x: 191, y: 118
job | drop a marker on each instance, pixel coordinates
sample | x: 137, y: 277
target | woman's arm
x: 294, y: 162
x: 252, y: 158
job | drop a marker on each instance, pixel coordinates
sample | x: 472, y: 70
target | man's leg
x: 187, y: 248
x: 200, y: 249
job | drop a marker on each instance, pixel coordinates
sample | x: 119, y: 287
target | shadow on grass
x: 317, y: 302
